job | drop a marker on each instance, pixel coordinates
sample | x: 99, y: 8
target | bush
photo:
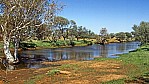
x: 61, y: 43
x: 27, y: 45
x: 89, y: 43
x: 72, y: 43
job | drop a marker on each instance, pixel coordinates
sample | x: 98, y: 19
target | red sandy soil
x: 85, y: 72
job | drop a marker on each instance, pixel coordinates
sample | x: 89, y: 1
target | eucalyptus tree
x: 72, y: 23
x: 91, y: 34
x: 128, y: 36
x: 73, y: 30
x: 103, y: 34
x: 79, y: 32
x: 84, y: 33
x: 141, y: 32
x: 55, y: 35
x: 121, y: 36
x: 112, y: 35
x: 61, y: 23
x: 18, y: 16
x: 43, y: 32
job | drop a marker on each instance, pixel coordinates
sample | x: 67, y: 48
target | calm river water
x: 33, y: 58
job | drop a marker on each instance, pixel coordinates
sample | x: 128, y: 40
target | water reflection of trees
x: 70, y: 56
x: 103, y: 50
x: 121, y: 47
x: 84, y: 56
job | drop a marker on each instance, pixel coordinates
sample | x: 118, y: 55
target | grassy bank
x: 137, y: 69
x: 41, y: 44
x: 57, y: 44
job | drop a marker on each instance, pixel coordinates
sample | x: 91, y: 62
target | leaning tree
x: 17, y: 17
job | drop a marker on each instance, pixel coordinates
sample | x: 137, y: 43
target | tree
x: 103, y: 34
x: 121, y: 36
x: 19, y: 16
x: 112, y: 35
x: 91, y: 35
x: 73, y: 30
x: 128, y: 36
x: 79, y: 32
x: 61, y: 23
x: 141, y: 32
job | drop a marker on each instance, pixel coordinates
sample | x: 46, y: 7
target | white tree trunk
x: 7, y: 52
x: 16, y: 44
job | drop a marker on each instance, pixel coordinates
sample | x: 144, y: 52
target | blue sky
x: 115, y: 15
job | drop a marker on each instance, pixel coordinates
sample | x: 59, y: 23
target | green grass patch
x: 69, y: 66
x: 33, y: 80
x: 41, y: 43
x: 53, y: 72
x: 119, y: 81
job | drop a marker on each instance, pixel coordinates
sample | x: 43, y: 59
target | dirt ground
x: 79, y: 72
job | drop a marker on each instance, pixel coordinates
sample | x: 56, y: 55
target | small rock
x: 64, y: 72
x: 118, y: 67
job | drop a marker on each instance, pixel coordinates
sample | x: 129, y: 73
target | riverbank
x: 128, y: 68
x: 39, y: 44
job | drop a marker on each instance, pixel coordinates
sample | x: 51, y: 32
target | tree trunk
x: 16, y: 44
x: 7, y: 52
x: 64, y: 38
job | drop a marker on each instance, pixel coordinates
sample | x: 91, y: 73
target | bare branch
x: 2, y: 28
x: 12, y: 8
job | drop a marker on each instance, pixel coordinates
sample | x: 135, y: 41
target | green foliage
x: 27, y: 45
x: 141, y: 32
x: 121, y: 36
x: 53, y: 72
x: 40, y: 43
x: 62, y: 43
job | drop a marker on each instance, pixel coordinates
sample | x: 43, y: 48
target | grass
x: 69, y: 67
x: 137, y: 62
x: 119, y: 81
x: 33, y: 80
x: 53, y: 72
x: 139, y: 59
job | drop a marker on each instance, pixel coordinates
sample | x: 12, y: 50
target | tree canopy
x: 141, y: 32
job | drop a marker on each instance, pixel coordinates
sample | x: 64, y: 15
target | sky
x: 115, y: 15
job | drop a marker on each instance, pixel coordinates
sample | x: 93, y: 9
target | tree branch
x: 2, y: 28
